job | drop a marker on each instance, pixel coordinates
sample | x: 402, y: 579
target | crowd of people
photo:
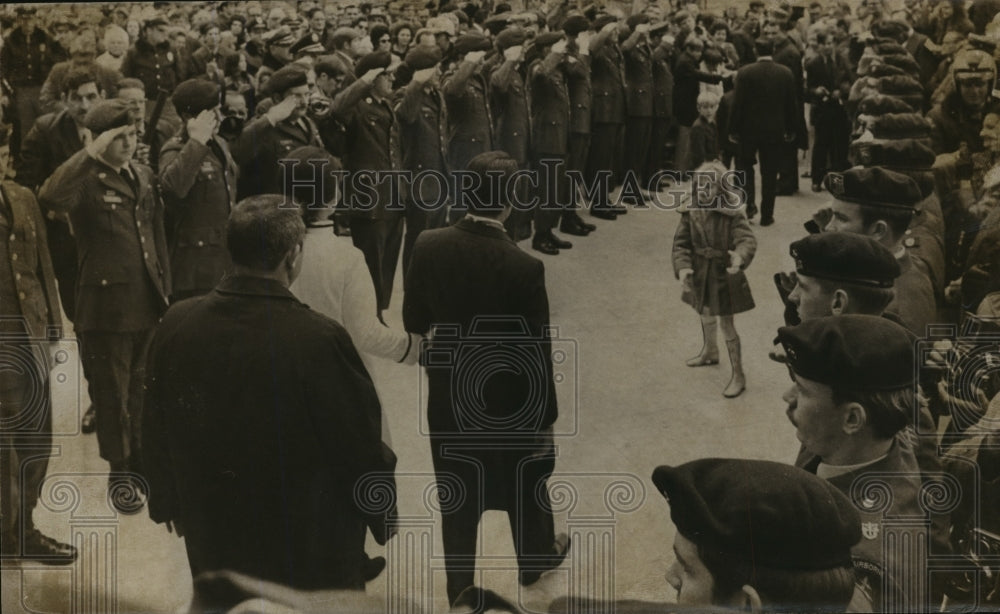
x: 181, y: 180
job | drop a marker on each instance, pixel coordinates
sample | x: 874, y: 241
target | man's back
x: 764, y: 105
x: 260, y: 419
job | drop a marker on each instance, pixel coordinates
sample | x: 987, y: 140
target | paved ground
x: 627, y: 403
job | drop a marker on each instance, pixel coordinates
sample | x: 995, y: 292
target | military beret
x: 903, y: 61
x: 899, y: 86
x: 282, y: 37
x: 874, y: 187
x: 108, y: 114
x: 636, y: 20
x: 285, y: 78
x: 193, y: 96
x: 547, y: 38
x: 511, y: 37
x: 890, y: 28
x: 900, y: 126
x: 471, y: 41
x: 761, y: 513
x: 657, y: 28
x: 882, y: 104
x: 856, y: 352
x: 602, y: 20
x: 884, y: 47
x: 575, y: 23
x: 845, y: 257
x: 892, y: 153
x: 496, y: 23
x: 371, y: 61
x: 423, y: 56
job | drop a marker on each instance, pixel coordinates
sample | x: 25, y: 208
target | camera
x: 319, y: 105
x: 501, y: 376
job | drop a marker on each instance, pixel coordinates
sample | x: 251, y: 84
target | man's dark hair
x: 719, y: 25
x: 780, y: 590
x: 898, y: 219
x: 865, y: 299
x: 261, y: 231
x: 313, y: 12
x: 764, y: 46
x: 888, y: 411
x: 78, y: 76
x: 492, y: 171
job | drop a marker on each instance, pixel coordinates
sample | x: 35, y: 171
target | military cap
x: 761, y: 513
x: 285, y: 78
x: 856, y: 352
x: 371, y: 61
x: 282, y: 37
x: 472, y: 41
x: 108, y: 114
x: 575, y: 23
x: 511, y: 37
x: 547, y: 38
x: 193, y: 96
x: 423, y: 56
x: 306, y: 45
x: 892, y: 153
x: 636, y: 20
x: 882, y: 104
x: 903, y: 61
x: 602, y: 20
x: 257, y: 23
x: 496, y: 23
x: 874, y: 187
x: 845, y: 257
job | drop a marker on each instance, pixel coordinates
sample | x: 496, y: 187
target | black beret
x: 602, y: 20
x: 376, y: 59
x: 285, y: 78
x: 282, y: 37
x: 635, y: 20
x: 761, y: 513
x: 423, y: 56
x: 511, y: 37
x: 108, y: 114
x: 574, y: 24
x: 881, y: 104
x: 495, y: 24
x: 547, y: 38
x: 874, y: 187
x: 845, y: 257
x: 900, y: 126
x: 884, y: 47
x: 877, y: 69
x: 903, y: 61
x: 471, y: 41
x: 899, y: 86
x: 888, y: 28
x: 892, y: 153
x: 856, y: 352
x: 193, y: 96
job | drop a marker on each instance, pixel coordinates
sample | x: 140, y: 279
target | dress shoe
x: 572, y: 228
x: 603, y: 213
x: 766, y: 221
x: 126, y: 492
x: 619, y: 209
x: 751, y: 211
x: 34, y: 546
x: 527, y: 577
x: 817, y: 187
x: 576, y: 219
x: 89, y: 422
x: 545, y: 246
x: 559, y: 243
x: 372, y: 568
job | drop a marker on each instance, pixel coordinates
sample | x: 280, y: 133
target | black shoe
x: 766, y: 221
x: 751, y: 211
x: 89, y: 422
x: 545, y: 246
x: 603, y: 213
x: 575, y: 218
x: 38, y: 547
x: 527, y: 577
x: 126, y: 492
x: 619, y: 209
x: 559, y: 242
x: 817, y: 187
x: 373, y: 567
x: 574, y: 229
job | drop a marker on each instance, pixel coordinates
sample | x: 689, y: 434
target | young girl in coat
x: 712, y: 247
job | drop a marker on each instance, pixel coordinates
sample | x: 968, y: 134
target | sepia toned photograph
x: 523, y: 306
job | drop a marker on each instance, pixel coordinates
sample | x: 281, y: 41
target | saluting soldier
x: 375, y: 207
x: 423, y: 130
x: 509, y: 99
x: 607, y: 79
x: 284, y: 127
x: 577, y: 30
x: 466, y: 93
x: 663, y: 98
x: 198, y: 180
x: 124, y: 277
x: 638, y: 54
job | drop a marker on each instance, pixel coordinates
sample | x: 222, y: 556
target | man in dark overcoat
x: 263, y: 428
x: 485, y: 300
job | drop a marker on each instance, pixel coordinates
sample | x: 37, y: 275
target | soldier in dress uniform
x: 607, y: 78
x: 466, y: 93
x: 423, y: 133
x: 578, y: 34
x: 663, y: 98
x: 879, y: 203
x: 152, y: 60
x: 284, y: 127
x: 31, y: 321
x: 375, y: 207
x: 124, y: 278
x: 198, y: 181
x: 853, y: 392
x: 509, y: 102
x: 758, y: 536
x: 638, y: 55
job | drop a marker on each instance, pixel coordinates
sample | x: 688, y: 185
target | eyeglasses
x: 384, y: 40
